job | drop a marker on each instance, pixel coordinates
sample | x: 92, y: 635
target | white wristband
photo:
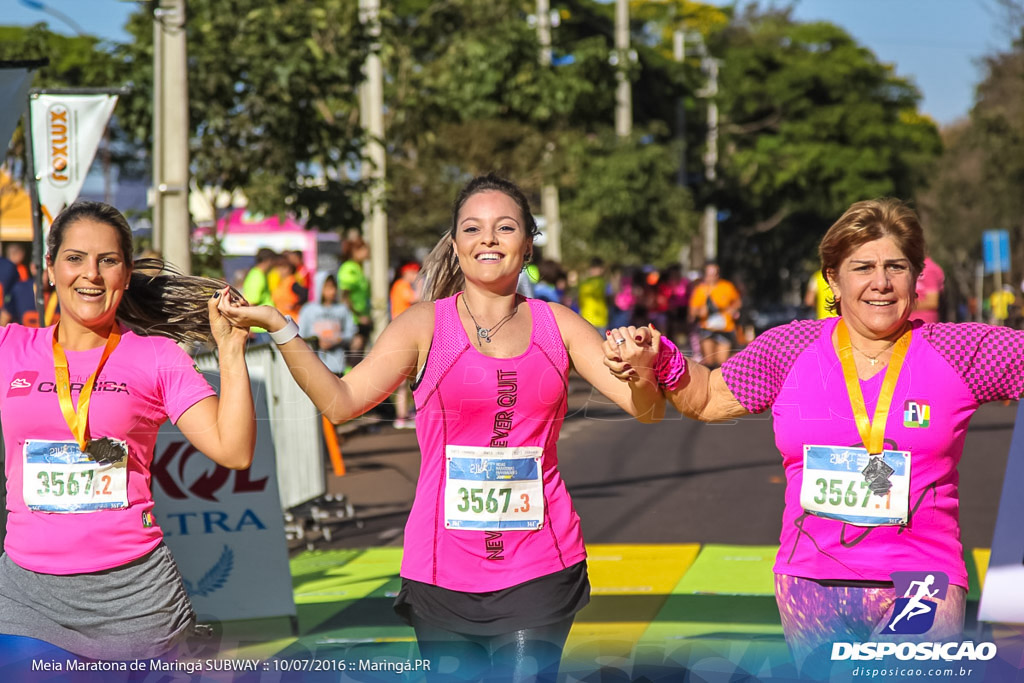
x: 285, y: 334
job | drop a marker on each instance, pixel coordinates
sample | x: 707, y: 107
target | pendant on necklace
x: 874, y: 361
x: 484, y: 334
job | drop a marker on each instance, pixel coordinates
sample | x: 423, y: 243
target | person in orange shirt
x: 403, y: 291
x: 714, y: 305
x: 289, y: 295
x: 404, y: 295
x: 301, y: 272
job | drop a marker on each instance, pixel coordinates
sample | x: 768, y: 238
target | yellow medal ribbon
x: 78, y: 421
x: 872, y: 432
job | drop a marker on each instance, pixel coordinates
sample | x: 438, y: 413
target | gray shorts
x: 135, y: 611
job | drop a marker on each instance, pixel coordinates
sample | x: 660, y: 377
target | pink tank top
x: 950, y: 369
x: 467, y: 399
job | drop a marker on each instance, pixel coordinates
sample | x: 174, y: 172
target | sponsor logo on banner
x: 224, y: 527
x: 58, y: 132
x: 66, y: 130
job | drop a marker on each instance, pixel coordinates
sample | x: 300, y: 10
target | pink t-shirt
x: 145, y: 381
x: 950, y: 368
x: 467, y: 399
x: 931, y: 281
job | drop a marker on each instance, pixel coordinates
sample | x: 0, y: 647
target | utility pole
x: 375, y: 224
x: 709, y: 222
x: 544, y: 31
x: 679, y: 54
x: 549, y: 203
x: 623, y: 90
x: 171, y: 219
x: 711, y: 163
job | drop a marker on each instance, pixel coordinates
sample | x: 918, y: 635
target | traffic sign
x: 995, y: 248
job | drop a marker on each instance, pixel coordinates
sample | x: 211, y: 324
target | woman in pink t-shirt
x: 85, y: 568
x: 494, y: 568
x: 870, y: 412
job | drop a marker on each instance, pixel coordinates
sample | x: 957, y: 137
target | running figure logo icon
x: 914, y: 613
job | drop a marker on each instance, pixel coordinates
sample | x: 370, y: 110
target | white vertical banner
x: 225, y: 527
x: 66, y: 132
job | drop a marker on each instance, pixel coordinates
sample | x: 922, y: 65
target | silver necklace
x: 873, y: 359
x: 487, y: 333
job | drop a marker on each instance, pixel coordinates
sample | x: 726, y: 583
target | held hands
x: 240, y: 313
x: 223, y: 329
x: 632, y: 352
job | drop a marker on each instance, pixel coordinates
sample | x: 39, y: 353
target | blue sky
x: 935, y: 43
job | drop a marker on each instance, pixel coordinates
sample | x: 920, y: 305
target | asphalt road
x: 679, y: 481
x: 683, y: 481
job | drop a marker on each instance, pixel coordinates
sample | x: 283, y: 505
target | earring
x: 51, y: 283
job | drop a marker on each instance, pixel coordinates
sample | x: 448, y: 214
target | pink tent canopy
x: 241, y: 220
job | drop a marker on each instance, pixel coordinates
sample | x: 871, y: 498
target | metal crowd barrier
x: 295, y: 425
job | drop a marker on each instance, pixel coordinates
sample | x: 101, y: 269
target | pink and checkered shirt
x: 950, y: 369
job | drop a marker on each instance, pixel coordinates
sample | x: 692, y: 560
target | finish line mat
x: 654, y: 609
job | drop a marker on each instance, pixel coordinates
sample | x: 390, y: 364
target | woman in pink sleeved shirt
x: 85, y: 568
x: 859, y: 531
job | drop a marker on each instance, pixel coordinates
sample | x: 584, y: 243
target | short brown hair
x: 867, y: 221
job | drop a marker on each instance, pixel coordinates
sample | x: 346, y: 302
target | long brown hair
x: 159, y: 299
x: 441, y: 271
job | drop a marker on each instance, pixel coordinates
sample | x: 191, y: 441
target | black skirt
x: 531, y: 604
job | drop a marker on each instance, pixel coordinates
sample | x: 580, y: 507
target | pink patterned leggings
x: 815, y: 616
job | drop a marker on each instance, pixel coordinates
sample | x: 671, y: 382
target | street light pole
x: 36, y: 5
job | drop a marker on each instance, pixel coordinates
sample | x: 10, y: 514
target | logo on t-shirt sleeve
x: 21, y: 383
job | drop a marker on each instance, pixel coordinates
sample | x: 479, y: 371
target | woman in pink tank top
x: 494, y: 566
x: 870, y: 412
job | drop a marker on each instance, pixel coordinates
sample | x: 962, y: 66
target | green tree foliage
x: 625, y: 207
x: 272, y: 102
x: 977, y: 184
x: 469, y: 95
x: 75, y: 62
x: 811, y: 122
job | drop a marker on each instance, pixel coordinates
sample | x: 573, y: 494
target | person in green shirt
x: 256, y: 290
x: 355, y: 288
